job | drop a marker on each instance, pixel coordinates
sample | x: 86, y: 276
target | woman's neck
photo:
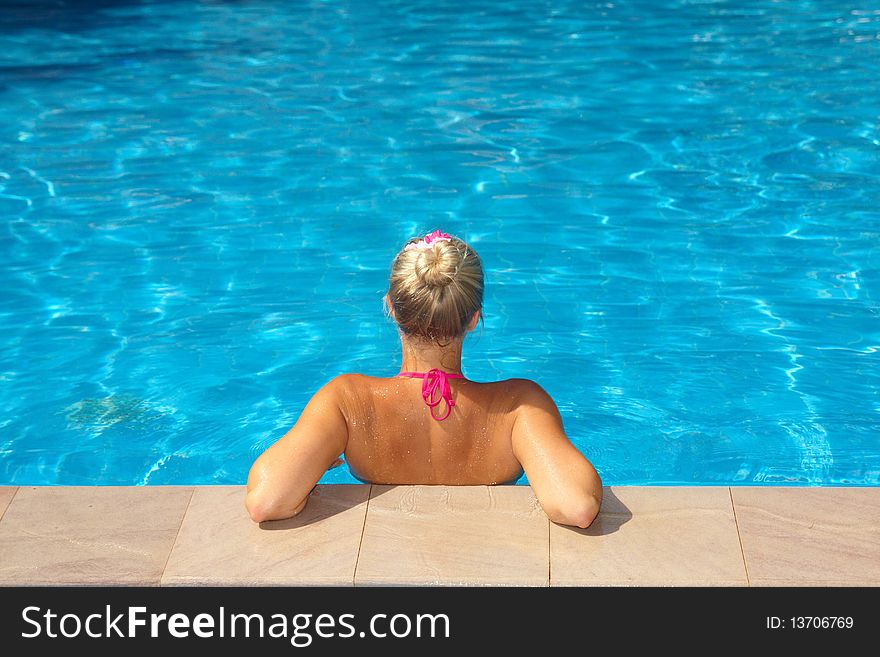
x: 423, y: 355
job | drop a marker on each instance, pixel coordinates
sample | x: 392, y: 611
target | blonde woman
x: 429, y: 424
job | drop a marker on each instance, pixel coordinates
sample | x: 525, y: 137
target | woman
x: 429, y: 424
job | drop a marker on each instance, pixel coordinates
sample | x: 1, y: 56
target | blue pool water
x: 677, y: 204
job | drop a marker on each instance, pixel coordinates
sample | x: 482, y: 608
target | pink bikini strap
x: 436, y: 381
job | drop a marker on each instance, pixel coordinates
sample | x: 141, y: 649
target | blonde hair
x: 435, y: 291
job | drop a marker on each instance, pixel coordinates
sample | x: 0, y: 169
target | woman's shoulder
x: 528, y: 393
x: 356, y: 378
x: 350, y: 381
x: 524, y: 386
x: 521, y: 390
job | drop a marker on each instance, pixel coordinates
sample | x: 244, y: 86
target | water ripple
x: 676, y: 201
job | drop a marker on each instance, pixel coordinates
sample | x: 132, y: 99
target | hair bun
x: 435, y: 288
x: 437, y: 266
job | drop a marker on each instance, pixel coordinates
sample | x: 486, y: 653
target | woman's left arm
x: 282, y: 477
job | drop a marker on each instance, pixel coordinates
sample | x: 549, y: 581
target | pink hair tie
x: 428, y: 240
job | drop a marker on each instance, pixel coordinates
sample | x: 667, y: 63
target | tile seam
x: 549, y: 557
x: 742, y: 551
x: 9, y: 504
x: 357, y: 559
x: 192, y: 494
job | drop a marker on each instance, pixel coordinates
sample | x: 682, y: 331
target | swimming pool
x: 676, y: 204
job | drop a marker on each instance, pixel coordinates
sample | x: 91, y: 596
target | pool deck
x: 362, y: 535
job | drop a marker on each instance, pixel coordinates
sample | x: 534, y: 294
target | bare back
x: 392, y: 438
x: 383, y: 427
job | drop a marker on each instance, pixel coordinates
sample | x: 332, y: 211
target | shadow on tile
x: 612, y: 516
x: 219, y: 545
x: 309, y: 515
x: 662, y: 536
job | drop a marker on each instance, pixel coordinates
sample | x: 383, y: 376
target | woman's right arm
x: 281, y: 479
x: 564, y: 481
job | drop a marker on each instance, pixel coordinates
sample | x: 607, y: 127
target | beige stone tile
x: 219, y: 545
x: 812, y: 535
x: 788, y: 583
x: 89, y: 535
x: 652, y: 536
x: 453, y: 535
x: 6, y: 495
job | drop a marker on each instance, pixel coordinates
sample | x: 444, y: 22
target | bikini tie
x: 436, y: 381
